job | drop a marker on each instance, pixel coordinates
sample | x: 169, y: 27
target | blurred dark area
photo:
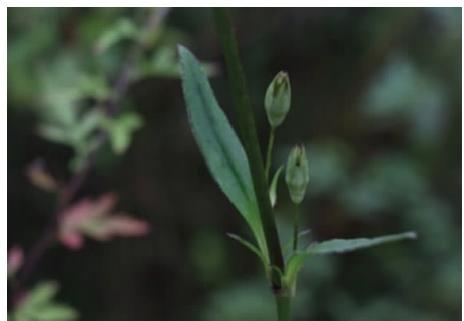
x: 376, y: 98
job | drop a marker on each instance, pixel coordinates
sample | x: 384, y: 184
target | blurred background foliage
x: 376, y: 98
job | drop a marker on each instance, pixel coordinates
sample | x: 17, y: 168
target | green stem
x: 296, y: 227
x: 283, y: 304
x: 270, y: 145
x: 248, y: 134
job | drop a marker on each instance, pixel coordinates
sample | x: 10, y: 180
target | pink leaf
x: 86, y: 209
x: 39, y: 176
x: 121, y: 225
x: 127, y: 226
x: 94, y: 219
x: 73, y: 241
x: 15, y: 260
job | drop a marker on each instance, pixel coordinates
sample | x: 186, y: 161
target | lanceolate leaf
x: 248, y: 245
x: 347, y: 245
x: 273, y: 188
x: 218, y: 142
x: 297, y: 260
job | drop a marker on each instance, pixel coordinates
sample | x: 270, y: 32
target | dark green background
x: 376, y: 99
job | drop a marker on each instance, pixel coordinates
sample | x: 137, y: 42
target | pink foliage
x: 94, y: 218
x: 15, y: 259
x: 40, y: 177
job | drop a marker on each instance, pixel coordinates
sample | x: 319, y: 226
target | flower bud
x: 277, y: 99
x: 297, y: 174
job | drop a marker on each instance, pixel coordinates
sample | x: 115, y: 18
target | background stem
x: 247, y: 131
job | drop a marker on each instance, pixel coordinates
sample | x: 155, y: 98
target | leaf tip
x: 181, y: 50
x: 411, y: 235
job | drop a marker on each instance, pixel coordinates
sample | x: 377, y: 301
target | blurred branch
x: 112, y: 107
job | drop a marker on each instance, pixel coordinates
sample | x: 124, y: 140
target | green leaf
x: 39, y: 305
x: 297, y: 260
x: 347, y: 245
x: 122, y: 29
x: 164, y: 64
x: 248, y: 245
x: 94, y: 85
x: 54, y: 133
x: 55, y: 312
x: 219, y: 144
x: 273, y: 188
x: 120, y: 130
x: 87, y: 124
x: 59, y: 82
x: 39, y: 295
x: 294, y: 265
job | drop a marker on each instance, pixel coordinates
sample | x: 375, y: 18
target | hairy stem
x: 296, y: 227
x: 270, y: 145
x: 283, y: 304
x: 247, y: 131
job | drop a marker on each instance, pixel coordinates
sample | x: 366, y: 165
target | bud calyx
x: 297, y: 174
x: 277, y: 99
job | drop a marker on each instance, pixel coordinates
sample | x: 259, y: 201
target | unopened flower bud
x: 277, y: 99
x: 297, y: 174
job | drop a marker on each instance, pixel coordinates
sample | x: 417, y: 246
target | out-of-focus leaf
x: 432, y: 219
x: 330, y: 164
x: 164, y: 63
x: 60, y: 90
x: 405, y: 91
x: 38, y: 175
x: 94, y: 219
x: 219, y: 144
x: 122, y: 29
x: 348, y: 245
x: 94, y: 86
x: 62, y: 120
x: 388, y: 182
x: 38, y: 305
x: 55, y: 312
x: 40, y: 295
x: 87, y: 124
x: 104, y: 228
x: 120, y: 130
x: 32, y: 33
x: 15, y: 260
x: 54, y: 133
x: 273, y: 188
